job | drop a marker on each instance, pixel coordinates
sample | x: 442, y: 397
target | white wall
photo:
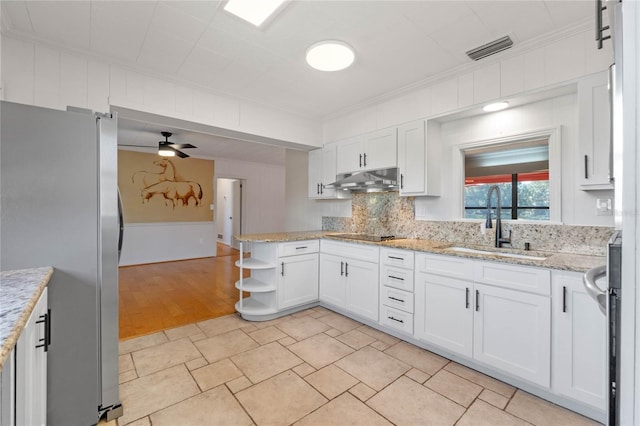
x: 518, y: 70
x: 161, y: 242
x: 263, y: 192
x: 49, y: 76
x: 578, y: 207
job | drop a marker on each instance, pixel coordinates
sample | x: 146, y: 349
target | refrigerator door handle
x: 589, y: 280
x: 120, y: 226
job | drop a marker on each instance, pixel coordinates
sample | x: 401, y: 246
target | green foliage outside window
x: 531, y: 194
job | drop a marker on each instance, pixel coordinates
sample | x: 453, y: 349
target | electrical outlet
x: 603, y: 207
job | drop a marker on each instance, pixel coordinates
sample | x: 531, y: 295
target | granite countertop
x: 553, y: 260
x: 19, y: 293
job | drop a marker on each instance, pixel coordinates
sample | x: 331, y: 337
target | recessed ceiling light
x: 497, y: 106
x: 330, y: 55
x: 253, y: 11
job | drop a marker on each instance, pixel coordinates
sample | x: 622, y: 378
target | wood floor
x: 158, y: 296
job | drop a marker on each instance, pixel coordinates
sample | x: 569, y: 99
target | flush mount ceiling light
x: 330, y: 55
x: 497, y: 106
x: 165, y: 151
x: 255, y: 12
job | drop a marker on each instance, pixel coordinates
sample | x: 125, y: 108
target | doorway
x: 229, y: 202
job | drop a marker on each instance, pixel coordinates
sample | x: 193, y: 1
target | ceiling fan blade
x: 179, y: 153
x: 181, y: 145
x: 136, y: 146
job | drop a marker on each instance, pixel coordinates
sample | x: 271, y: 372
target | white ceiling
x: 397, y: 43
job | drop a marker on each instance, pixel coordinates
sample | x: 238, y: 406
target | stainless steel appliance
x: 609, y: 302
x: 59, y: 201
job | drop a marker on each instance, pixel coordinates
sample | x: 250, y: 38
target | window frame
x: 552, y: 134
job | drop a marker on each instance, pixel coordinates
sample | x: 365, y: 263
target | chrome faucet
x: 499, y: 239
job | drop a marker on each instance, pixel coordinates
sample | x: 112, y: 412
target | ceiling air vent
x: 490, y: 48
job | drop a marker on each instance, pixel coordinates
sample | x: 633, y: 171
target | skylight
x: 255, y: 12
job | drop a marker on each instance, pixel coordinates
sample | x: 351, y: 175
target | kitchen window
x: 524, y: 167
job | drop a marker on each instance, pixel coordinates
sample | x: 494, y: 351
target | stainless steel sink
x: 461, y: 249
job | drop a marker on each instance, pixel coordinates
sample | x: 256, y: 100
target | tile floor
x: 314, y: 367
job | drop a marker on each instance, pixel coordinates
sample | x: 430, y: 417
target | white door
x: 362, y: 288
x: 411, y: 158
x: 380, y: 149
x: 349, y: 155
x: 297, y: 282
x: 444, y: 312
x: 332, y: 280
x: 237, y: 187
x: 512, y: 332
x: 579, y: 342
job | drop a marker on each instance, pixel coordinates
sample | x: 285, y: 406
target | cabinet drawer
x: 394, y: 257
x: 366, y: 252
x: 298, y: 247
x: 396, y: 277
x: 397, y: 319
x: 395, y: 298
x: 524, y: 278
x: 450, y: 266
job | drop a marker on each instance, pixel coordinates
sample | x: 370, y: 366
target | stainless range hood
x: 367, y: 181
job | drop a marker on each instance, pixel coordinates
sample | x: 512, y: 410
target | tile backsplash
x: 386, y: 213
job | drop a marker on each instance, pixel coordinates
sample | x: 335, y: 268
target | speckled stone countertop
x: 553, y: 260
x: 282, y: 237
x: 19, y: 293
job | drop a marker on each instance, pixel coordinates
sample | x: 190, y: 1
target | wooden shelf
x: 251, y: 263
x: 253, y: 285
x: 253, y: 307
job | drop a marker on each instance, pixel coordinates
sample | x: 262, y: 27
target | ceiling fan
x: 168, y: 149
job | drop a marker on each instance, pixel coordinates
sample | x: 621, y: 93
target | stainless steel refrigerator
x: 59, y: 204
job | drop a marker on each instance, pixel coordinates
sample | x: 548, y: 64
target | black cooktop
x: 364, y: 237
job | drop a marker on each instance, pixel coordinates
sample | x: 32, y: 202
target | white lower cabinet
x: 23, y: 390
x: 512, y: 332
x: 579, y: 342
x: 297, y: 282
x: 349, y: 277
x: 444, y: 315
x: 507, y: 329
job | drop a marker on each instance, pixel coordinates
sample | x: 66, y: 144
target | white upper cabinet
x: 594, y: 133
x: 418, y: 159
x: 376, y: 150
x: 322, y: 172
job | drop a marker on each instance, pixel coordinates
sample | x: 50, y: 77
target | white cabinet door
x: 298, y: 280
x: 8, y: 391
x: 31, y: 368
x: 512, y: 332
x: 315, y: 173
x: 579, y: 342
x: 322, y: 172
x: 349, y: 155
x: 380, y: 149
x: 332, y: 280
x: 329, y: 157
x: 594, y: 137
x: 362, y: 288
x: 444, y: 312
x: 412, y: 157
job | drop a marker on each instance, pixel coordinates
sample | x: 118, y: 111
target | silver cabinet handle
x: 301, y: 247
x: 564, y: 298
x: 360, y: 160
x: 346, y: 269
x: 365, y: 160
x: 586, y: 166
x: 401, y: 181
x: 396, y: 320
x: 477, y: 300
x: 396, y: 278
x: 396, y: 257
x: 466, y: 303
x: 341, y: 268
x: 282, y: 272
x: 396, y: 299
